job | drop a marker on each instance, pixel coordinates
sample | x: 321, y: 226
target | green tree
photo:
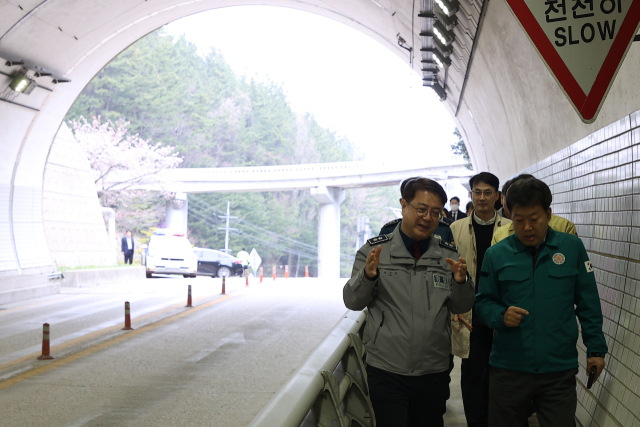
x: 460, y: 149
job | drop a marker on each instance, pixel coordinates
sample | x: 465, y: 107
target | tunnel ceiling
x: 497, y: 89
x: 506, y: 104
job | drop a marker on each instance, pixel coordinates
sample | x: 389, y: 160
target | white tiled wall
x: 596, y: 184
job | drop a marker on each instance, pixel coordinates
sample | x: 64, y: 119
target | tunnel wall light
x: 448, y: 7
x: 447, y: 21
x: 442, y: 34
x: 21, y: 83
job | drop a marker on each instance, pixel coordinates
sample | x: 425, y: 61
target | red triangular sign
x: 582, y: 42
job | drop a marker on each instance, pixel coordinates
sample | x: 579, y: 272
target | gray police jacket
x: 408, y: 328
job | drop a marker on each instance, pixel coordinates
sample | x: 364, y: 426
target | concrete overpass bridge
x: 326, y: 181
x: 507, y: 106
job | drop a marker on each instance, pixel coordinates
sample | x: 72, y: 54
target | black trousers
x: 475, y: 376
x: 128, y: 257
x: 404, y: 401
x: 511, y: 392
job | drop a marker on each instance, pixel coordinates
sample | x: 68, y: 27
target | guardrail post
x: 356, y: 399
x: 326, y: 408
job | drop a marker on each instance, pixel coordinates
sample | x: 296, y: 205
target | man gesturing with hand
x: 534, y: 285
x: 409, y: 281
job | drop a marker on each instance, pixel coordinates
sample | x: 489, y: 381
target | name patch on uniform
x: 440, y: 281
x: 558, y: 258
x: 448, y: 245
x: 588, y: 266
x: 379, y: 239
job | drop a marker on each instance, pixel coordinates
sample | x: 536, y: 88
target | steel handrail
x: 290, y: 406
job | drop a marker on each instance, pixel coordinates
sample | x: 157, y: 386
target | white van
x: 170, y: 253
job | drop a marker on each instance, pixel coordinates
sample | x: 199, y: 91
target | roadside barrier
x: 274, y: 272
x: 306, y: 271
x: 189, y: 298
x: 286, y: 271
x: 261, y: 274
x: 127, y: 317
x: 315, y: 396
x: 223, y: 280
x: 45, y: 344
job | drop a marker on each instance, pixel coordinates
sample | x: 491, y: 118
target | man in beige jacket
x: 471, y: 338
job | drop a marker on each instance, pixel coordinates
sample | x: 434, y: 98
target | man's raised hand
x: 459, y: 269
x: 514, y: 315
x: 373, y: 259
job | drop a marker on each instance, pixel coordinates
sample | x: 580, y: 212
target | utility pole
x: 226, y: 236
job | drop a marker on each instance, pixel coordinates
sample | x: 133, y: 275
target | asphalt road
x: 216, y: 364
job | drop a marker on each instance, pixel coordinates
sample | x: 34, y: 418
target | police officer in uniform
x: 410, y: 282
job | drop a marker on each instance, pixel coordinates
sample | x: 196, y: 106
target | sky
x: 352, y: 84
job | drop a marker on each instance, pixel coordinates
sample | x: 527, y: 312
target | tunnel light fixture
x: 449, y: 7
x: 439, y: 90
x: 447, y: 21
x: 445, y: 37
x: 440, y: 59
x: 22, y: 84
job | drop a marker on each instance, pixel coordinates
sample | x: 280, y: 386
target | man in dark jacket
x: 456, y: 213
x: 534, y: 284
x: 128, y: 247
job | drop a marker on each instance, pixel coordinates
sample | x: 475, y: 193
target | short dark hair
x: 412, y: 185
x: 506, y: 185
x: 469, y: 206
x: 487, y: 178
x: 455, y: 198
x: 529, y: 192
x: 128, y: 231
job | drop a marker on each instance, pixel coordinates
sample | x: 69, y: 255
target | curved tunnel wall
x: 512, y: 114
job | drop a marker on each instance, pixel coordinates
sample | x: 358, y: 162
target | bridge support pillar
x: 177, y: 214
x: 330, y: 199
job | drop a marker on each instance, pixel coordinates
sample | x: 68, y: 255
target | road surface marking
x: 96, y: 334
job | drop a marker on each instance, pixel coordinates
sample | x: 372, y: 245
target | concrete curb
x: 101, y: 276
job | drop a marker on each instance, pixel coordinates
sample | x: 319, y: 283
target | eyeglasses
x: 433, y: 212
x: 486, y: 193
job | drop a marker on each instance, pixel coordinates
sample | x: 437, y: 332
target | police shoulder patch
x: 448, y: 245
x: 379, y: 239
x: 442, y: 222
x: 395, y: 221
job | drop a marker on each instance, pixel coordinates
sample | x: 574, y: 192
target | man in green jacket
x: 534, y: 284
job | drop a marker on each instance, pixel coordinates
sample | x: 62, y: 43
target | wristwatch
x: 595, y: 354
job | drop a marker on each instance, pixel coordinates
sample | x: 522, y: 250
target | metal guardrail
x: 315, y: 395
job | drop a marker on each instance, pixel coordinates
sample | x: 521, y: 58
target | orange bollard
x: 306, y: 271
x: 189, y: 298
x: 274, y: 272
x: 261, y: 274
x: 286, y: 271
x: 127, y: 317
x: 45, y: 343
x: 223, y: 280
x: 246, y: 275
